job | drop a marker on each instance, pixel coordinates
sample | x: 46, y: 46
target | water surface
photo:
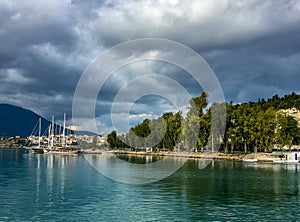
x: 56, y: 187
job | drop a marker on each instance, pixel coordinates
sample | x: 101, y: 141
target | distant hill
x: 17, y: 121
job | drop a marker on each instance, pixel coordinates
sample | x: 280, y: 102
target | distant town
x: 84, y: 141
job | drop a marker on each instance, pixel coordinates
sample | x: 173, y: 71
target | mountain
x: 17, y: 121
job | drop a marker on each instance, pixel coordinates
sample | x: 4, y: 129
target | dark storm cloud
x: 261, y: 68
x: 38, y: 43
x: 252, y: 46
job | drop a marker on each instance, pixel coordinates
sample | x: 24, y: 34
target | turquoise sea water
x: 66, y: 188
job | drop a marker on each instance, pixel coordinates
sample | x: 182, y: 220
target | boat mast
x: 52, y: 132
x: 49, y: 134
x: 40, y: 126
x: 59, y: 133
x: 64, y: 128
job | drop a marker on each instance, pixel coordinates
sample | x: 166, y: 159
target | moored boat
x: 291, y: 162
x: 62, y: 150
x: 37, y: 149
x: 286, y: 161
x: 53, y: 147
x: 250, y: 160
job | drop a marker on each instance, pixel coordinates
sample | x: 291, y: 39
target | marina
x: 56, y: 143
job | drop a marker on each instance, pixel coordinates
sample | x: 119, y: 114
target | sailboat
x: 63, y: 148
x: 38, y: 149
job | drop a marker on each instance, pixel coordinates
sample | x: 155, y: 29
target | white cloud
x: 13, y: 76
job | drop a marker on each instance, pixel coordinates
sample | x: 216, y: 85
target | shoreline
x: 261, y: 157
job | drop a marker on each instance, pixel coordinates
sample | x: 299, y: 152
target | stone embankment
x: 261, y: 157
x: 201, y: 155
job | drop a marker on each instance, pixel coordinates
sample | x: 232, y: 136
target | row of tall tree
x: 247, y: 127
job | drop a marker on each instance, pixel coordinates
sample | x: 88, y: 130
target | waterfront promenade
x: 261, y: 157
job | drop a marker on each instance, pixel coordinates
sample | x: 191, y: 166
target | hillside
x: 16, y: 121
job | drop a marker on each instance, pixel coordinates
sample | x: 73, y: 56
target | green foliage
x: 116, y: 141
x: 259, y: 126
x: 285, y: 102
x: 198, y: 104
x: 112, y: 138
x: 249, y: 127
x: 196, y: 124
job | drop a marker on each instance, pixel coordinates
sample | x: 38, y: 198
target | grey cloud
x: 211, y: 23
x: 252, y: 46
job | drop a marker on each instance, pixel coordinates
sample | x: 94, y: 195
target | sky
x: 253, y: 47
